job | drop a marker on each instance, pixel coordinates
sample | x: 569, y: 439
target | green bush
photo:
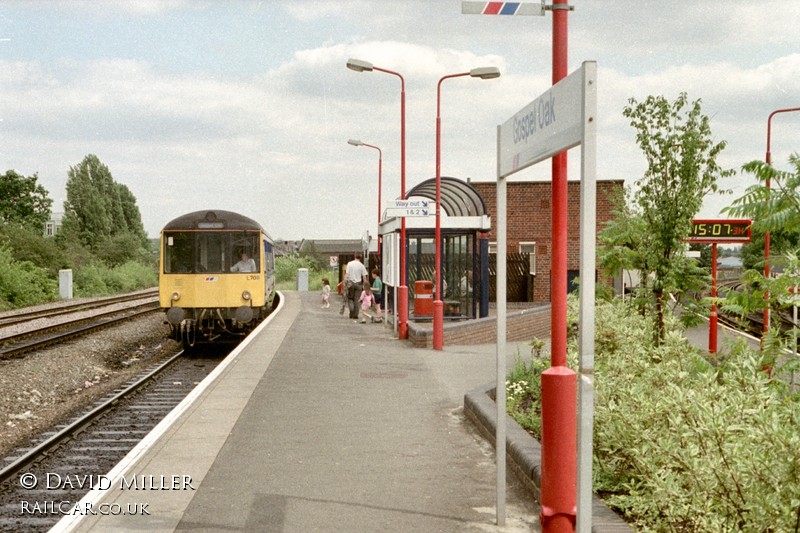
x: 121, y: 249
x: 22, y: 283
x: 523, y: 392
x: 26, y: 244
x: 286, y: 273
x: 683, y: 445
x: 99, y: 280
x: 286, y: 267
x: 90, y: 281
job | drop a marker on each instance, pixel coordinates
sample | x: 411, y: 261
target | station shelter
x: 465, y: 225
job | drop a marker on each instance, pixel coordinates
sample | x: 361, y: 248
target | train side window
x: 269, y: 258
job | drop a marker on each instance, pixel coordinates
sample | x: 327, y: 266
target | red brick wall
x: 530, y: 219
x: 520, y: 326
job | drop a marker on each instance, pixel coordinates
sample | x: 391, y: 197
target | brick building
x: 530, y: 222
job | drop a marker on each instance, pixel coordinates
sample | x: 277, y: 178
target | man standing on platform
x: 355, y: 275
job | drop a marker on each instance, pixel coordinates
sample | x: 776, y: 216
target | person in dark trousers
x: 355, y: 275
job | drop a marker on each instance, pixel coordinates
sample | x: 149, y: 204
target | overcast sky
x: 248, y: 106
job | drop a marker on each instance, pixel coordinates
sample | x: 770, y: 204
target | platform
x: 319, y: 423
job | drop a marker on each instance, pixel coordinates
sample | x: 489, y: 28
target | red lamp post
x: 380, y: 166
x: 768, y: 160
x: 402, y: 291
x: 484, y: 73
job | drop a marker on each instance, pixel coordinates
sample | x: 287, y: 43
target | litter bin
x: 423, y: 298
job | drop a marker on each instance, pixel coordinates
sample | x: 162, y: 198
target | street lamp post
x: 402, y: 291
x: 768, y: 160
x: 380, y: 166
x: 484, y: 73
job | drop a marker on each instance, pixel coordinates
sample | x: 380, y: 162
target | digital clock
x: 720, y: 230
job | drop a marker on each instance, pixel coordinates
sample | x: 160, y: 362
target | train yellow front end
x: 217, y: 276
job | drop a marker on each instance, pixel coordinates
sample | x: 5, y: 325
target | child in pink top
x: 367, y: 301
x: 326, y: 292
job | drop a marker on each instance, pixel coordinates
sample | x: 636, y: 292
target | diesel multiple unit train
x: 217, y: 275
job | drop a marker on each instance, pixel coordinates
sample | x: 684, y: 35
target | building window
x: 530, y: 249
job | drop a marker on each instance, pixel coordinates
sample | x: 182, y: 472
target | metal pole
x: 403, y: 289
x: 380, y: 179
x: 559, y: 401
x: 438, y: 278
x: 588, y: 243
x: 438, y: 305
x: 401, y: 299
x: 712, y: 322
x: 794, y: 320
x: 500, y: 387
x: 768, y: 160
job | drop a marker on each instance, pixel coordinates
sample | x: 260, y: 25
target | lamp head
x: 485, y: 73
x: 354, y: 142
x: 358, y: 65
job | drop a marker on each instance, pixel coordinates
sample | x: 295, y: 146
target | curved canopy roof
x: 459, y: 198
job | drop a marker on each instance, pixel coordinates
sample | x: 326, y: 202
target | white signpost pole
x: 588, y: 232
x: 500, y: 386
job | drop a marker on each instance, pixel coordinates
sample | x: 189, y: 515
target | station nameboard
x: 720, y: 230
x: 551, y: 123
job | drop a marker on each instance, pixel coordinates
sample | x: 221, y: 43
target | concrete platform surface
x: 320, y: 424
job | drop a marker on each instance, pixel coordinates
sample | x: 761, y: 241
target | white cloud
x: 272, y: 143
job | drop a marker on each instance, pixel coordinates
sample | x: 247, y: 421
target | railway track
x: 42, y: 482
x: 72, y: 321
x: 13, y: 317
x: 753, y: 323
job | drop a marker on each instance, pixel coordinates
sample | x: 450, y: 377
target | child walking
x: 326, y: 293
x: 367, y: 301
x: 377, y: 288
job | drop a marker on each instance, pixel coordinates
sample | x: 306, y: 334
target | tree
x: 23, y: 201
x: 88, y: 208
x: 774, y: 209
x: 675, y: 138
x: 131, y: 214
x: 101, y: 213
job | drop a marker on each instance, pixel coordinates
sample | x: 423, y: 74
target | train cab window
x: 177, y: 253
x: 210, y: 253
x: 248, y: 244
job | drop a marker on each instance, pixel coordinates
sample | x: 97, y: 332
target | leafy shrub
x: 286, y: 272
x: 131, y: 276
x: 97, y: 279
x: 29, y: 245
x: 22, y: 283
x: 90, y: 281
x: 286, y: 267
x: 683, y: 445
x: 523, y: 393
x: 120, y: 249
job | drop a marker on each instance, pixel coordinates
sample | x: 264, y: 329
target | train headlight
x: 176, y: 296
x: 246, y: 295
